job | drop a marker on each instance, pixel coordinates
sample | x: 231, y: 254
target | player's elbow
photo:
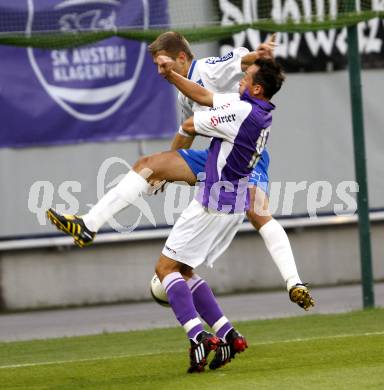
x: 204, y: 97
x: 207, y: 99
x: 189, y: 130
x: 189, y: 127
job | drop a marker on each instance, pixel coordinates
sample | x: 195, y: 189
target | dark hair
x: 270, y: 75
x: 173, y: 43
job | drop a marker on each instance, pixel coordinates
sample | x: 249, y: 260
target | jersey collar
x: 262, y: 103
x: 191, y: 68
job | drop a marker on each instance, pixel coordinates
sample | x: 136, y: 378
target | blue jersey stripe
x: 190, y: 72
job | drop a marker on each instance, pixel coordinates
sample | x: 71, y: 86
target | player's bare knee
x: 145, y: 166
x: 141, y: 163
x: 252, y: 217
x: 165, y: 266
x: 160, y: 271
x: 186, y: 271
x: 258, y: 220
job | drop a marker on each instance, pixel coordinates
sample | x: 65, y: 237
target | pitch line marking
x: 297, y: 340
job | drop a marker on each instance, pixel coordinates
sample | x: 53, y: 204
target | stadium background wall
x: 121, y: 272
x: 311, y: 141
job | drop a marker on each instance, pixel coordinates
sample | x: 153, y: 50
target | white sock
x: 119, y: 197
x: 277, y: 243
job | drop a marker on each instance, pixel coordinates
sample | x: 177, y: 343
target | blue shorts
x: 196, y: 160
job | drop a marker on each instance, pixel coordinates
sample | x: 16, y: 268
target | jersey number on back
x: 260, y: 145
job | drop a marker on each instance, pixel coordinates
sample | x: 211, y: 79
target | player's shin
x: 118, y: 198
x: 208, y: 307
x: 278, y: 245
x: 180, y: 299
x: 205, y: 302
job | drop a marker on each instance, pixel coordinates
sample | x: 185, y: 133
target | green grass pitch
x: 343, y: 351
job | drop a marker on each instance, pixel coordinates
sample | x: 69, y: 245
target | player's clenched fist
x: 164, y: 65
x: 265, y: 50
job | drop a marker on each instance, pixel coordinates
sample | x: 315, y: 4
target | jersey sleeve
x: 222, y: 123
x: 222, y: 74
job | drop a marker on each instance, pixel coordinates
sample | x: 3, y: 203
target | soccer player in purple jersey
x: 239, y: 126
x: 220, y: 75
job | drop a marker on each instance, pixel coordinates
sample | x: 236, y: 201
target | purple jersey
x: 240, y: 128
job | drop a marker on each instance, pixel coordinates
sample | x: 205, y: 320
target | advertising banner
x: 109, y: 90
x: 310, y: 51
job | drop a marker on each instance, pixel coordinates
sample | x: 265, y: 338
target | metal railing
x: 106, y: 237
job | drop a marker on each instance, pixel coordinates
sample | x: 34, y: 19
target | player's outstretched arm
x: 194, y: 91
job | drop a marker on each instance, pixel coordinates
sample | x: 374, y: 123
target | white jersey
x: 217, y: 74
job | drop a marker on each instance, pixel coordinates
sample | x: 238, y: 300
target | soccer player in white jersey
x: 220, y: 75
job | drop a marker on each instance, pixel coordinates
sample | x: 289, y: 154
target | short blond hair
x: 173, y: 43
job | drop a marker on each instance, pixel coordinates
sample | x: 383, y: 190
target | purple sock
x: 180, y: 299
x: 207, y: 306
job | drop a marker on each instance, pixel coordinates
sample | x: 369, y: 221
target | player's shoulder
x: 244, y: 107
x: 231, y: 103
x: 228, y: 56
x: 220, y: 99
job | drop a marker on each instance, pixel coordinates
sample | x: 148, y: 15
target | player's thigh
x: 169, y: 166
x: 258, y: 213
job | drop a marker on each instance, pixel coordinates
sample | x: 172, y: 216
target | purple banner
x: 100, y: 92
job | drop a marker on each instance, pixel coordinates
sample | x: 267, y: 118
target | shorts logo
x: 91, y: 82
x: 215, y: 120
x: 169, y: 249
